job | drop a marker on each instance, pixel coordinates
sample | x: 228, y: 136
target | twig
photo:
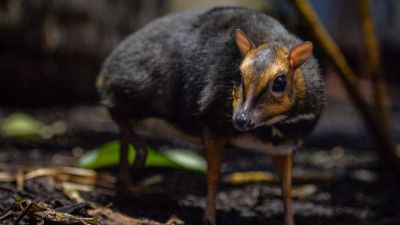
x: 374, y: 66
x: 2, y: 188
x: 22, y: 214
x: 348, y: 78
x: 75, y: 175
x: 5, y: 214
x: 44, y: 215
x: 20, y: 180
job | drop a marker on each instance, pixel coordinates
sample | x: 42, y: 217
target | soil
x: 361, y: 190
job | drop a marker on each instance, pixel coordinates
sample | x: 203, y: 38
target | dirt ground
x: 359, y: 190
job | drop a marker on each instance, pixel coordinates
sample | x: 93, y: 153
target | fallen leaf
x: 239, y: 178
x: 108, y: 155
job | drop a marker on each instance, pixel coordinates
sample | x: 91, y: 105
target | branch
x: 373, y: 59
x: 348, y: 78
x: 374, y: 67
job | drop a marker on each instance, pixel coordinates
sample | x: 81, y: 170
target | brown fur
x: 213, y: 146
x: 236, y: 99
x: 256, y: 84
x: 280, y: 66
x: 274, y: 107
x: 100, y: 81
x: 299, y: 87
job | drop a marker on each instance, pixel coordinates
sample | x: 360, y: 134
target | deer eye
x: 279, y: 84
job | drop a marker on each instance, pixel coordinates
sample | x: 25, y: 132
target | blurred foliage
x: 19, y: 125
x: 108, y: 155
x: 22, y: 126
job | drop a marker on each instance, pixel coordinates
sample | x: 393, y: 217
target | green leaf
x: 187, y: 159
x: 108, y: 155
x: 19, y: 125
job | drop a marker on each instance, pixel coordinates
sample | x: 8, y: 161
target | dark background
x: 51, y: 50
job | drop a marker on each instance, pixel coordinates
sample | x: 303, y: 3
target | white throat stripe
x: 309, y: 116
x: 273, y: 120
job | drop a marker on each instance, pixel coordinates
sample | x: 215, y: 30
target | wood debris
x: 116, y: 218
x: 61, y: 174
x: 241, y: 178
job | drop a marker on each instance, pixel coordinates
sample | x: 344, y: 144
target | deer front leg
x: 283, y: 167
x: 213, y: 147
x: 127, y: 137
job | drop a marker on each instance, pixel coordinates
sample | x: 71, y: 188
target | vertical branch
x: 371, y: 40
x: 349, y: 80
x: 328, y: 45
x: 374, y: 61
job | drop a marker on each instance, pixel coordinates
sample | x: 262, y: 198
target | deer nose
x: 243, y: 122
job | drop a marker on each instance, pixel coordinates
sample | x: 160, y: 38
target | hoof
x: 208, y: 222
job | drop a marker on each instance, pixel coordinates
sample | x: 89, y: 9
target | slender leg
x: 213, y: 148
x: 141, y: 150
x: 128, y: 136
x: 283, y: 166
x: 124, y: 179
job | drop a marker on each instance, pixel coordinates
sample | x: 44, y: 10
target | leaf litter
x: 28, y: 207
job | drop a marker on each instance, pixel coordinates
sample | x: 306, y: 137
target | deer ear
x: 299, y: 54
x: 243, y: 42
